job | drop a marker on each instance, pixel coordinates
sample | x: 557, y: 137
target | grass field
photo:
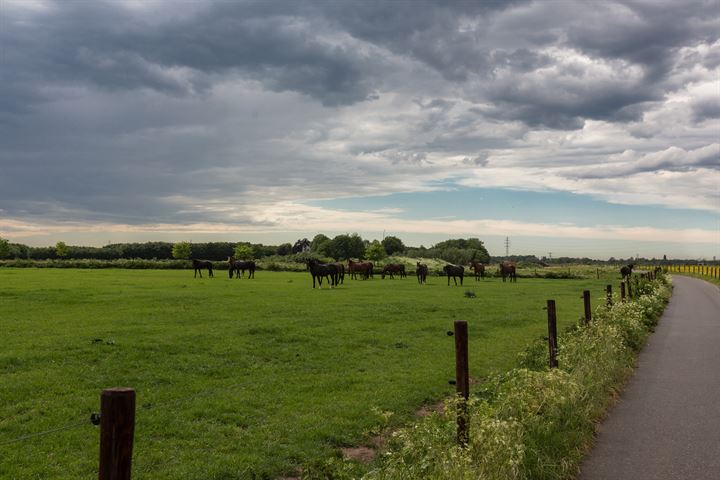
x: 237, y: 378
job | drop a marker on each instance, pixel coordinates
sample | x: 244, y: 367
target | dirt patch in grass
x: 427, y: 410
x: 359, y: 454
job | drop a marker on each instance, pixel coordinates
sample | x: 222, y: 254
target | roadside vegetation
x: 532, y: 422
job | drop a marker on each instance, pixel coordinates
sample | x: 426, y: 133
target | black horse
x: 626, y: 271
x: 421, y: 270
x: 341, y: 272
x: 319, y: 270
x: 238, y: 268
x: 454, y: 271
x: 198, y: 265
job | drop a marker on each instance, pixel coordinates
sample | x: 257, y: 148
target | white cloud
x: 295, y: 217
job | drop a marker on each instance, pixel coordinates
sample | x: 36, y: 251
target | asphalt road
x: 666, y: 424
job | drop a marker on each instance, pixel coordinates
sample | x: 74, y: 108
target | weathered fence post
x: 462, y: 379
x: 608, y: 290
x: 117, y: 426
x: 622, y: 291
x: 552, y: 333
x: 629, y: 287
x: 586, y: 301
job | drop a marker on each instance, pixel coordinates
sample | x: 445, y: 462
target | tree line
x: 341, y: 247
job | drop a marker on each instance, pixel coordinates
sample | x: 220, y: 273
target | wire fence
x: 94, y: 418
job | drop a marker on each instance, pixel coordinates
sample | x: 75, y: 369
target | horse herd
x: 334, y: 273
x: 235, y: 267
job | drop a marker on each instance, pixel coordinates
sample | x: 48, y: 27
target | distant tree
x: 244, y: 252
x: 301, y: 246
x: 284, y: 249
x: 213, y: 250
x: 461, y: 250
x: 4, y: 248
x: 320, y: 245
x: 260, y: 250
x: 61, y: 249
x: 375, y: 251
x: 357, y: 247
x: 182, y: 250
x: 393, y: 245
x: 346, y: 246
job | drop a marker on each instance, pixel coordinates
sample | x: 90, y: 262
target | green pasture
x: 242, y: 378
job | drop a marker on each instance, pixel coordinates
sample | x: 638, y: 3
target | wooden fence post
x: 608, y: 289
x: 586, y: 301
x: 629, y: 287
x: 552, y: 333
x: 462, y: 379
x: 622, y: 291
x: 117, y: 426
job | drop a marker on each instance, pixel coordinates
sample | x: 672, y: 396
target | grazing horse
x: 626, y: 271
x: 393, y: 268
x: 507, y: 269
x: 479, y: 269
x: 421, y: 270
x: 319, y: 270
x: 454, y: 271
x: 238, y: 268
x: 364, y: 268
x: 198, y: 265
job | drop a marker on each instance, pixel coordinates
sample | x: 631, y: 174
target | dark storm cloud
x: 644, y: 33
x: 107, y: 46
x: 306, y: 47
x: 147, y: 113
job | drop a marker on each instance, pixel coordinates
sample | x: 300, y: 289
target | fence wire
x: 142, y: 407
x: 45, y: 432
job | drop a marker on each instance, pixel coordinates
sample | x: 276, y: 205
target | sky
x: 571, y: 128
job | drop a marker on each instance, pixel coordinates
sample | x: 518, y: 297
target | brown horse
x: 198, y: 265
x: 421, y: 270
x: 392, y: 269
x: 479, y: 269
x: 364, y: 268
x: 238, y: 268
x: 507, y: 269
